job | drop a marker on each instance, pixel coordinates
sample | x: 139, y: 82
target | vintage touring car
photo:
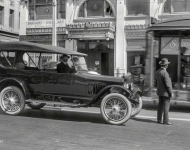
x: 24, y: 80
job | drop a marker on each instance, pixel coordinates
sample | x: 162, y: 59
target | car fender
x: 136, y: 90
x: 20, y: 82
x: 111, y: 89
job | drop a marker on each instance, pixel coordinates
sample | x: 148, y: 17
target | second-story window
x: 95, y: 8
x: 11, y: 18
x: 1, y: 15
x: 43, y: 9
x: 138, y: 7
x: 173, y: 6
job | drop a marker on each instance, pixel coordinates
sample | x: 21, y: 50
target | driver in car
x: 63, y: 66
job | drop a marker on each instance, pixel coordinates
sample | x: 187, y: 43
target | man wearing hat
x: 164, y: 91
x: 63, y: 66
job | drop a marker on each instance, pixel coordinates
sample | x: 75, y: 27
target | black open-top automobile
x: 25, y: 80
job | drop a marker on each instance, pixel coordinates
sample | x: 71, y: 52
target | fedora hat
x: 164, y: 61
x: 64, y: 55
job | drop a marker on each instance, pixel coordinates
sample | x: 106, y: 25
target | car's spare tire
x: 35, y: 105
x: 115, y: 108
x: 12, y: 100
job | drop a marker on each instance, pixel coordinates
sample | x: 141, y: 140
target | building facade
x: 9, y: 20
x: 111, y: 32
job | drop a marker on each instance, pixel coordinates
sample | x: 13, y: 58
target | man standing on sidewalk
x: 164, y: 91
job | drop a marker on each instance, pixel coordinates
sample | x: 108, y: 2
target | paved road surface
x: 83, y: 130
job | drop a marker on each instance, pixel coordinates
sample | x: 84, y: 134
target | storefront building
x: 9, y: 20
x: 111, y: 32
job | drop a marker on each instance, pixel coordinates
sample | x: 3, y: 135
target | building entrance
x: 100, y: 56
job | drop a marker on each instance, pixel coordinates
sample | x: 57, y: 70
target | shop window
x: 98, y: 8
x: 11, y: 18
x: 1, y: 15
x: 43, y: 9
x: 61, y: 43
x: 172, y: 6
x: 136, y: 7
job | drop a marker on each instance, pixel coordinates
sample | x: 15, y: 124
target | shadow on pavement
x: 144, y: 120
x: 63, y: 115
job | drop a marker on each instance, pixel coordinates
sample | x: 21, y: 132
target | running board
x: 56, y: 104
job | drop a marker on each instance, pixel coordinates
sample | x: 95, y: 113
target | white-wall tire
x: 115, y: 109
x: 12, y: 100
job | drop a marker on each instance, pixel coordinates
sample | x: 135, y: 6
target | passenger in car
x: 63, y: 66
x: 19, y: 62
x: 76, y: 63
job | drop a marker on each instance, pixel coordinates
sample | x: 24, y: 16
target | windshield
x: 79, y: 63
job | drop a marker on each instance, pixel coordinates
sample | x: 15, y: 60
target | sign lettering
x: 45, y: 23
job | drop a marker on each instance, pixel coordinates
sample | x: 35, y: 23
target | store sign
x: 171, y: 45
x: 41, y: 37
x: 88, y: 25
x: 45, y: 23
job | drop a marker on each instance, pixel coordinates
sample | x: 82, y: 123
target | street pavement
x: 85, y: 129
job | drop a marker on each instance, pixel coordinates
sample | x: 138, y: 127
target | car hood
x: 101, y: 78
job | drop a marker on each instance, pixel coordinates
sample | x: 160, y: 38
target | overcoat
x: 163, y: 83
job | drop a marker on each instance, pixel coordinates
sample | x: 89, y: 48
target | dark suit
x: 164, y: 91
x: 63, y: 68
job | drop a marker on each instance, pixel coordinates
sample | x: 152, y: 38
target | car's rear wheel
x: 35, y: 105
x: 115, y: 108
x: 137, y: 108
x: 12, y: 100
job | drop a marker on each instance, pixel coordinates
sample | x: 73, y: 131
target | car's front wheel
x: 115, y: 108
x: 12, y: 100
x: 34, y: 105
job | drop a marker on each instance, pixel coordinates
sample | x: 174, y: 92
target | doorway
x: 105, y: 63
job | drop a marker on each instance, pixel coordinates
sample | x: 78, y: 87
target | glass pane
x: 95, y: 8
x: 1, y: 15
x: 44, y: 12
x: 11, y: 18
x: 108, y: 11
x: 167, y: 6
x: 61, y: 9
x: 79, y: 63
x: 181, y: 5
x: 31, y: 13
x: 81, y: 11
x: 136, y: 7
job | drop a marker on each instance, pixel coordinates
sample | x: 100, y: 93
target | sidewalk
x: 174, y: 104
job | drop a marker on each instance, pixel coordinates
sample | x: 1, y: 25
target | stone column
x: 69, y: 44
x: 23, y: 17
x: 120, y: 51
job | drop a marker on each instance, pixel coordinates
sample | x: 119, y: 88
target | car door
x: 57, y: 83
